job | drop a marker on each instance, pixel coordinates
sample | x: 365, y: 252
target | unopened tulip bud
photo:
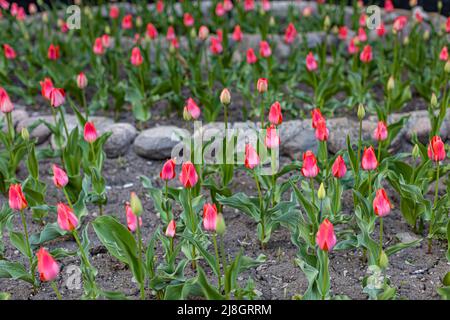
x: 40, y: 2
x: 186, y: 115
x: 193, y: 33
x: 225, y: 97
x: 383, y: 260
x: 391, y: 83
x: 136, y: 204
x: 361, y: 111
x: 321, y: 193
x: 25, y: 134
x: 406, y: 41
x: 412, y: 3
x: 171, y: 20
x: 426, y: 35
x: 446, y: 280
x: 220, y: 225
x: 262, y: 85
x: 172, y: 49
x: 107, y: 29
x: 415, y: 151
x: 433, y: 100
x: 272, y: 21
x: 138, y: 22
x: 326, y: 23
x: 439, y: 5
x: 447, y: 67
x: 335, y: 30
x: 44, y: 17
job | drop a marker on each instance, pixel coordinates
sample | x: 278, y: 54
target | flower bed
x: 336, y: 177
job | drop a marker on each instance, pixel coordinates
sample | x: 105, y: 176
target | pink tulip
x: 309, y: 168
x: 17, y: 199
x: 209, y: 217
x: 9, y: 52
x: 136, y: 57
x: 6, y: 105
x: 90, y: 132
x: 311, y: 63
x: 168, y: 170
x: 82, y: 80
x: 251, y: 157
x: 381, y: 132
x: 237, y: 34
x: 326, y: 238
x: 272, y: 140
x: 275, y: 116
x: 171, y: 229
x: 131, y: 218
x: 369, y: 160
x: 67, y: 220
x: 57, y: 97
x: 251, y: 56
x: 188, y: 175
x: 381, y: 204
x: 264, y: 49
x: 339, y: 168
x: 47, y: 267
x: 60, y: 178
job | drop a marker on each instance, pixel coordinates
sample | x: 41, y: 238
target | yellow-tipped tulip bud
x: 433, y: 101
x: 391, y: 83
x: 225, y: 97
x: 136, y: 205
x: 361, y: 111
x: 220, y: 224
x: 25, y: 134
x: 321, y: 193
x: 383, y: 260
x: 415, y: 151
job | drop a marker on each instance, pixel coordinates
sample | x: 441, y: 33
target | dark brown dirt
x: 415, y: 273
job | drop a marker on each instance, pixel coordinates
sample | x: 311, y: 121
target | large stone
x: 120, y: 140
x: 18, y: 114
x: 157, y: 143
x: 296, y: 137
x: 340, y: 128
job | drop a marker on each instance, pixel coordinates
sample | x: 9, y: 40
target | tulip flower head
x: 369, y: 160
x: 67, y: 220
x: 436, y: 149
x: 188, y: 20
x: 9, y: 52
x: 352, y: 47
x: 57, y: 97
x: 272, y: 139
x: 53, y: 52
x: 381, y: 132
x: 82, y: 80
x: 322, y: 131
x: 249, y: 5
x: 443, y: 56
x: 251, y: 56
x: 220, y: 10
x: 215, y: 46
x: 168, y: 170
x: 366, y: 55
x: 399, y: 23
x: 136, y: 57
x: 262, y: 85
x: 339, y: 169
x: 237, y: 34
x: 203, y: 33
x: 343, y: 33
x: 209, y: 217
x: 381, y: 30
x: 264, y: 49
x: 127, y: 22
x: 325, y: 237
x: 228, y: 5
x: 46, y: 88
x: 316, y: 117
x: 311, y: 63
x: 60, y: 178
x: 17, y: 199
x: 90, y: 132
x: 388, y: 6
x: 132, y: 219
x: 191, y: 110
x: 152, y: 33
x: 251, y: 157
x: 98, y: 47
x: 381, y: 204
x: 170, y: 35
x: 47, y: 267
x: 275, y: 116
x: 114, y: 12
x: 225, y: 97
x: 6, y: 105
x: 160, y: 6
x: 171, y: 229
x: 290, y: 34
x: 188, y: 175
x: 309, y: 168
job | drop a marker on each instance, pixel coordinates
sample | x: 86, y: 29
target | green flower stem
x: 261, y: 211
x: 358, y: 168
x: 29, y: 252
x: 313, y: 197
x: 55, y: 288
x: 167, y: 201
x: 85, y: 107
x: 10, y: 127
x: 324, y: 284
x: 61, y: 112
x: 138, y: 234
x: 216, y: 251
x: 433, y: 212
x: 67, y: 197
x: 193, y: 226
x: 262, y: 110
x: 381, y: 237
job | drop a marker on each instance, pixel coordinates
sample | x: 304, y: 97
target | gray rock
x: 121, y: 138
x: 40, y: 132
x: 157, y: 143
x: 296, y: 137
x: 18, y: 114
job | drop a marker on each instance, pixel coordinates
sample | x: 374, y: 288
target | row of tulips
x: 97, y: 52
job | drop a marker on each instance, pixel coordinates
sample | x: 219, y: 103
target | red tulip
x: 366, y: 55
x: 251, y: 157
x: 265, y: 5
x: 369, y: 160
x: 131, y: 218
x: 400, y: 23
x: 152, y: 33
x: 418, y: 16
x: 290, y: 34
x: 170, y: 33
x: 98, y: 47
x: 82, y: 80
x: 381, y: 30
x: 228, y: 5
x: 47, y: 267
x: 136, y: 57
x: 159, y: 6
x: 4, y: 4
x: 188, y: 20
x: 381, y: 204
x: 262, y: 85
x: 316, y: 117
x: 251, y: 56
x: 436, y: 149
x: 127, y: 22
x: 272, y: 140
x: 57, y: 97
x: 311, y: 63
x: 237, y: 34
x: 171, y: 229
x: 203, y: 33
x: 388, y: 6
x: 209, y: 217
x: 322, y: 131
x: 67, y: 220
x: 447, y: 25
x: 275, y: 116
x: 362, y: 35
x: 168, y: 170
x: 219, y: 33
x: 191, y: 109
x: 343, y: 32
x: 106, y: 41
x: 220, y: 10
x: 188, y: 175
x: 381, y: 132
x: 339, y: 168
x: 326, y: 238
x: 53, y: 52
x: 60, y: 178
x: 310, y: 168
x: 264, y: 49
x: 362, y: 20
x: 114, y: 12
x: 17, y: 199
x: 249, y: 5
x: 443, y: 56
x: 90, y: 133
x: 6, y: 105
x: 9, y: 52
x: 215, y: 46
x: 46, y: 87
x: 352, y: 47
